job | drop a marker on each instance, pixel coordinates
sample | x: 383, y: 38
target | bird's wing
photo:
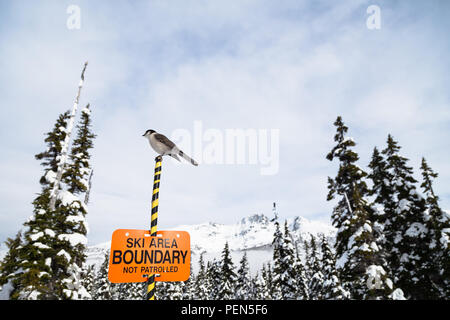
x: 164, y: 140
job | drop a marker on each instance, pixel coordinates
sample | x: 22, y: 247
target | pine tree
x: 406, y: 232
x: 71, y: 210
x: 174, y: 290
x: 160, y: 294
x: 38, y: 253
x: 315, y: 270
x: 127, y: 291
x: 188, y: 286
x: 103, y: 289
x: 277, y: 271
x: 227, y: 276
x: 356, y: 249
x: 201, y: 285
x: 88, y: 278
x: 61, y: 160
x: 213, y: 274
x: 260, y: 288
x: 382, y: 204
x: 267, y: 276
x: 76, y: 176
x: 331, y: 288
x: 244, y: 282
x: 302, y: 292
x: 49, y: 158
x: 54, y: 240
x: 9, y: 266
x: 438, y: 222
x: 284, y: 276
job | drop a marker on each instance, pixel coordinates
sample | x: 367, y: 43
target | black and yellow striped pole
x: 153, y: 226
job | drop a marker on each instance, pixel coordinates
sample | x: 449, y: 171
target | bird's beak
x: 143, y: 135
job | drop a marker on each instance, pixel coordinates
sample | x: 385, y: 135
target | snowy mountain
x: 252, y: 234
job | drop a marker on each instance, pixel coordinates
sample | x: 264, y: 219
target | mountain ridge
x: 252, y: 234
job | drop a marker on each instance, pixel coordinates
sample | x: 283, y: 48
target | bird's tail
x: 187, y: 158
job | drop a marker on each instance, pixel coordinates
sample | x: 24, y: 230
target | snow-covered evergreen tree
x: 52, y: 252
x: 382, y: 204
x: 266, y: 274
x: 201, y: 285
x: 161, y: 293
x: 407, y: 235
x: 37, y: 278
x: 103, y: 289
x: 284, y: 270
x: 356, y: 249
x: 315, y: 271
x: 244, y: 285
x: 188, y: 286
x: 71, y: 226
x: 277, y: 245
x: 88, y: 278
x: 10, y: 266
x: 331, y: 288
x: 128, y: 291
x: 260, y: 288
x: 302, y: 292
x: 174, y: 290
x: 214, y: 279
x: 49, y: 158
x: 76, y: 176
x: 227, y: 276
x: 438, y: 222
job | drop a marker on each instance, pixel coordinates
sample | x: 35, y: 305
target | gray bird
x: 163, y: 146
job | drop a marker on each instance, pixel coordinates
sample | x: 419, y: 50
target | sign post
x: 154, y: 221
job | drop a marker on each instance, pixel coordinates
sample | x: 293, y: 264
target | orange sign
x: 135, y: 255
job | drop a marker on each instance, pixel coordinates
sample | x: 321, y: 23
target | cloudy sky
x: 249, y: 64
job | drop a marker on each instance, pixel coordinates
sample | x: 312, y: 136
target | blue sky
x: 287, y: 65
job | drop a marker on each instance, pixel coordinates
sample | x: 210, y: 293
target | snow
x: 36, y: 236
x: 67, y: 198
x: 403, y: 205
x: 76, y: 219
x: 74, y: 239
x: 398, y: 295
x: 50, y: 176
x: 389, y: 283
x: 416, y: 230
x: 374, y: 247
x: 414, y: 192
x: 33, y: 295
x: 86, y: 111
x: 445, y: 237
x: 342, y: 261
x: 49, y: 232
x: 250, y: 232
x: 64, y: 254
x: 348, y: 139
x: 41, y: 245
x: 367, y: 227
x: 5, y: 290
